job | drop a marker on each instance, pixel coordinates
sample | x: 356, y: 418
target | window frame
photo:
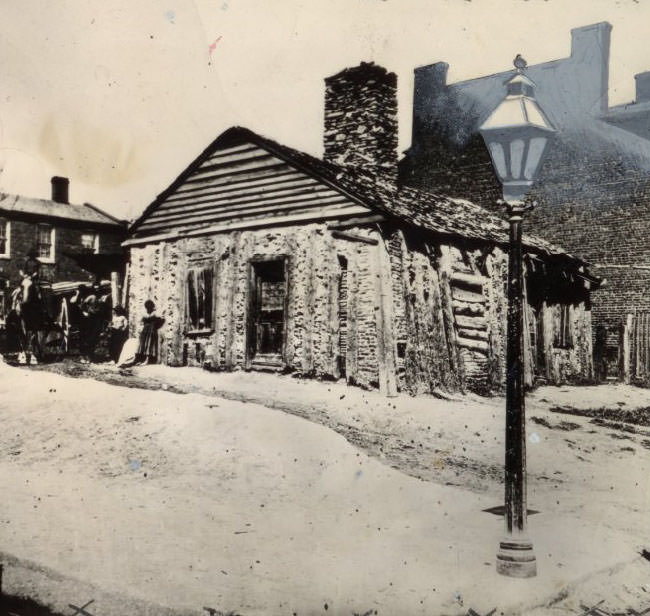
x: 52, y: 228
x: 193, y: 267
x: 94, y: 249
x: 7, y: 236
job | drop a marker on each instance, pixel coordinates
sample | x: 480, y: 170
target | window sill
x: 199, y: 332
x: 46, y: 261
x: 5, y: 256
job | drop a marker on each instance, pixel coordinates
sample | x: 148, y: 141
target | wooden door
x: 268, y: 313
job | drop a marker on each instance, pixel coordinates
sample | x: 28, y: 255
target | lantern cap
x: 518, y: 109
x: 516, y: 134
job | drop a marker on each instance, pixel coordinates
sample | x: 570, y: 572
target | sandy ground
x: 157, y: 502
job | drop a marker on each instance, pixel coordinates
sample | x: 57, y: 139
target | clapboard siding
x: 240, y: 183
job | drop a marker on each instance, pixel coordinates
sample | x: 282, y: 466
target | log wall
x: 421, y: 316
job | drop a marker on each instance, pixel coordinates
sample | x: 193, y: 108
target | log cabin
x: 261, y: 257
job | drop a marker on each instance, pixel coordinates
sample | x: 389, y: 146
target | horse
x: 35, y: 332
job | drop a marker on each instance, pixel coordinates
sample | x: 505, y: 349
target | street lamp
x: 516, y: 134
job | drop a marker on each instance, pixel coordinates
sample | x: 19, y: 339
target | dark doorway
x: 267, y: 319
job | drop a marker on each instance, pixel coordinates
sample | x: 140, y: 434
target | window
x: 90, y: 242
x: 199, y: 305
x: 563, y: 327
x: 5, y: 237
x: 45, y: 243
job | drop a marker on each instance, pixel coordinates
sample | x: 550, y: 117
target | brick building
x: 52, y: 231
x: 262, y: 257
x: 593, y: 192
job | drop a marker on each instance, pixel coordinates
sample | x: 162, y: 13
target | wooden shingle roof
x: 182, y: 208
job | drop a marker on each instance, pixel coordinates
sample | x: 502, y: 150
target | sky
x: 121, y: 96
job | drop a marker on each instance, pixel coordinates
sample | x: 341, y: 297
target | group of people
x: 141, y: 350
x: 28, y: 324
x: 146, y: 350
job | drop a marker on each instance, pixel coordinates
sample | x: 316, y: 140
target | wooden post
x: 444, y: 276
x: 308, y: 309
x: 385, y: 340
x: 626, y: 329
x: 125, y: 287
x: 115, y: 288
x: 351, y: 359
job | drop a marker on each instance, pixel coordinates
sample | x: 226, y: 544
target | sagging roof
x: 46, y: 208
x: 435, y: 213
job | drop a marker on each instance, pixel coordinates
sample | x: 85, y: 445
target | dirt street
x: 149, y: 497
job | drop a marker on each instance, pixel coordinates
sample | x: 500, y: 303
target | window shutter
x: 209, y: 308
x: 191, y: 299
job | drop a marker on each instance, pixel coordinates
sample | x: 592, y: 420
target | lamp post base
x: 516, y: 558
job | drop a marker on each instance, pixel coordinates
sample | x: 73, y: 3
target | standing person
x: 79, y: 318
x: 118, y: 333
x: 148, y: 347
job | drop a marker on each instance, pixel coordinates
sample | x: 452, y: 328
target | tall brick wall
x: 592, y: 202
x: 593, y: 192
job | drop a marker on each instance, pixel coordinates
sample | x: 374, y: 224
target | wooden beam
x: 467, y: 296
x: 302, y: 218
x: 444, y: 275
x: 242, y: 212
x: 244, y: 147
x: 194, y: 210
x: 353, y: 237
x: 471, y: 322
x: 230, y: 301
x: 474, y: 345
x: 215, y: 172
x: 354, y: 222
x: 235, y: 180
x: 242, y: 187
x: 351, y: 359
x: 308, y: 312
x: 469, y: 279
x: 477, y: 334
x: 277, y: 190
x: 386, y: 350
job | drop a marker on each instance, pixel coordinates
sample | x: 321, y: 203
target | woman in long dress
x: 148, y: 347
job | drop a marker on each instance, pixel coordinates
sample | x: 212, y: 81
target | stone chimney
x: 60, y: 189
x: 642, y: 87
x: 361, y: 120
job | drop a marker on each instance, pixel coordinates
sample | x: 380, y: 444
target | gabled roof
x: 45, y: 208
x: 435, y: 213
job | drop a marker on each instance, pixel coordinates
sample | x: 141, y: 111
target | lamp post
x: 516, y: 134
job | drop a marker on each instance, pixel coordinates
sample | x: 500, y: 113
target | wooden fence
x: 635, y: 347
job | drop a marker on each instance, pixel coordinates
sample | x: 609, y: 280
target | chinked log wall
x: 449, y: 315
x: 421, y: 316
x: 158, y: 272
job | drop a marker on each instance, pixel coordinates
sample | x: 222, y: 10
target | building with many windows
x: 52, y: 235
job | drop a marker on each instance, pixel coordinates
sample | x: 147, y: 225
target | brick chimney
x: 361, y: 119
x: 60, y: 189
x: 642, y: 87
